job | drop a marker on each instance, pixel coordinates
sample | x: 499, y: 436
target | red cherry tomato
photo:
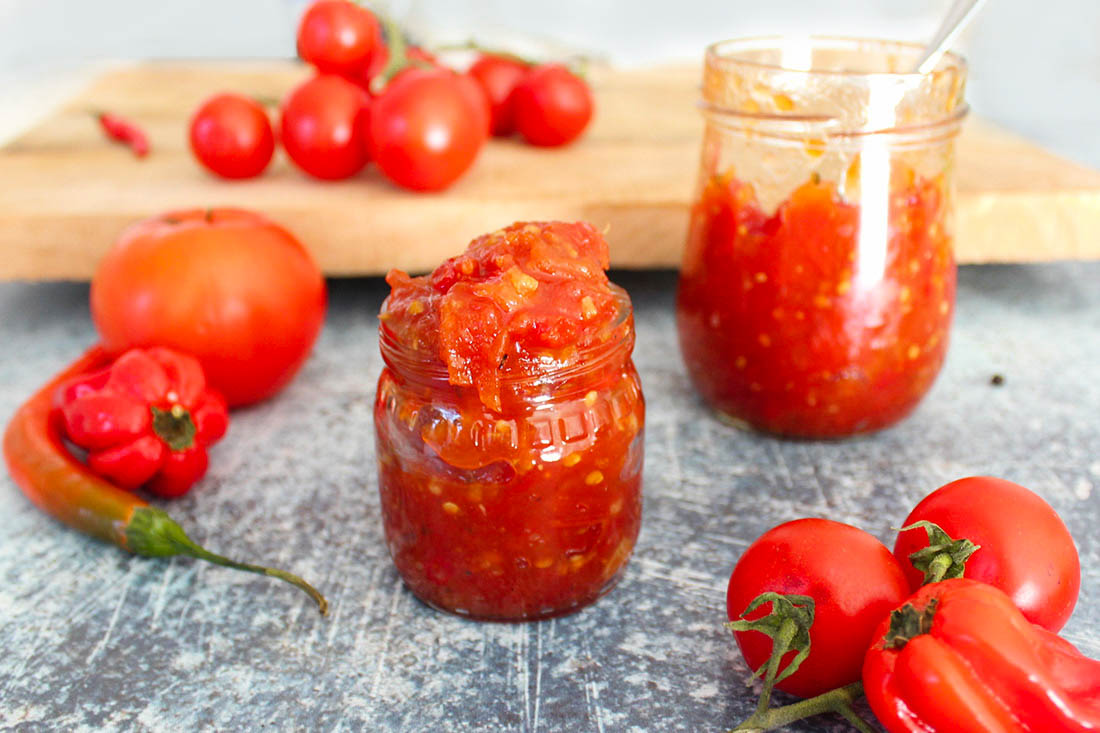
x: 235, y: 290
x: 322, y: 127
x: 498, y: 77
x: 338, y: 36
x: 1025, y: 549
x: 552, y: 105
x: 852, y: 577
x: 427, y: 127
x: 231, y: 135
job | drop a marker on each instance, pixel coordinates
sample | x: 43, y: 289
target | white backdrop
x: 1035, y: 66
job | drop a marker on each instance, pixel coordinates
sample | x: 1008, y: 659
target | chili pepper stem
x: 151, y: 532
x: 834, y: 701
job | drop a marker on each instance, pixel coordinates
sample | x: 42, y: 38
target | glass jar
x: 818, y: 280
x: 521, y: 514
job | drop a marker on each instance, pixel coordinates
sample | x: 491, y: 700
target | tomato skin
x: 338, y: 36
x: 498, y: 77
x: 230, y: 287
x: 1025, y: 548
x: 552, y: 106
x: 231, y: 136
x: 427, y: 127
x: 323, y: 125
x: 852, y: 577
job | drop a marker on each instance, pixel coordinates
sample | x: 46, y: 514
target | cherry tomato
x: 427, y: 127
x: 323, y: 127
x: 852, y: 577
x: 498, y: 77
x: 231, y: 135
x: 338, y: 36
x: 552, y: 105
x: 235, y: 290
x: 1025, y: 549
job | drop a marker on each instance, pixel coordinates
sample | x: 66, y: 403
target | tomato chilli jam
x: 508, y: 422
x: 818, y: 280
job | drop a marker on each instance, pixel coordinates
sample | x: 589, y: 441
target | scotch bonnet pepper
x: 959, y: 657
x: 146, y: 420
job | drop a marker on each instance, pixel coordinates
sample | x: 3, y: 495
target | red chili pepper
x: 959, y: 657
x: 121, y: 129
x: 69, y: 491
x: 145, y: 420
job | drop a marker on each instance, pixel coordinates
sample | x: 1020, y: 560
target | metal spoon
x: 957, y: 18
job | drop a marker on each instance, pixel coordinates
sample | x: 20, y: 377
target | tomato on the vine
x: 498, y: 77
x: 1024, y: 548
x: 552, y: 105
x: 338, y: 36
x: 323, y: 125
x: 852, y: 577
x: 427, y: 127
x: 230, y: 287
x: 231, y: 135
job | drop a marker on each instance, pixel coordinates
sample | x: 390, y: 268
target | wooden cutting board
x: 66, y: 193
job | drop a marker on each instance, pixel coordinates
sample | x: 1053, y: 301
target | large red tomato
x: 1025, y: 548
x: 852, y: 577
x: 230, y: 287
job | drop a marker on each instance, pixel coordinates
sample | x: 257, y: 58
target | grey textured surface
x: 95, y: 639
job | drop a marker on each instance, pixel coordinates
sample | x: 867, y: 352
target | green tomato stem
x: 834, y: 701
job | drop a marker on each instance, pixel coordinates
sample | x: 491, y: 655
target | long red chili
x: 121, y: 129
x: 65, y: 489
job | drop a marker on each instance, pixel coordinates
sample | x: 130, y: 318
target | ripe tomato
x: 498, y: 77
x: 323, y: 127
x: 427, y: 127
x: 852, y: 577
x: 235, y: 290
x: 1025, y: 548
x: 552, y: 105
x: 338, y: 36
x: 231, y: 135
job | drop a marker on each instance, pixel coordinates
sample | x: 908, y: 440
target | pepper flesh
x: 61, y: 486
x: 146, y: 420
x: 980, y: 666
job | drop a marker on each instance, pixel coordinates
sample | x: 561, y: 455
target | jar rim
x: 950, y: 62
x: 428, y: 367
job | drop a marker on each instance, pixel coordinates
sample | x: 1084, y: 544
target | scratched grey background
x: 93, y: 639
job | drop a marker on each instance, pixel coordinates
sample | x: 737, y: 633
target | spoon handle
x: 961, y: 13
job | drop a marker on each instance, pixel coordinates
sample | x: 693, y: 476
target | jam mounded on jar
x: 509, y: 423
x: 794, y: 324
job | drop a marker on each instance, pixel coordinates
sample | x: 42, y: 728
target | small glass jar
x: 818, y: 280
x: 522, y: 514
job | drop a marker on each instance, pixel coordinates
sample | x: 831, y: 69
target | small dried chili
x: 124, y: 131
x: 60, y: 485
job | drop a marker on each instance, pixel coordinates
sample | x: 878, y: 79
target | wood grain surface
x: 66, y: 193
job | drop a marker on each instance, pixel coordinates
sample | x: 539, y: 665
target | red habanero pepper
x: 63, y: 487
x: 124, y: 131
x: 145, y: 420
x: 959, y: 657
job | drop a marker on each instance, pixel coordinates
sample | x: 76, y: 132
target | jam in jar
x: 509, y: 425
x: 818, y: 281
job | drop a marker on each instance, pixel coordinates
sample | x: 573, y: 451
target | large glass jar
x: 818, y: 280
x: 525, y: 512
